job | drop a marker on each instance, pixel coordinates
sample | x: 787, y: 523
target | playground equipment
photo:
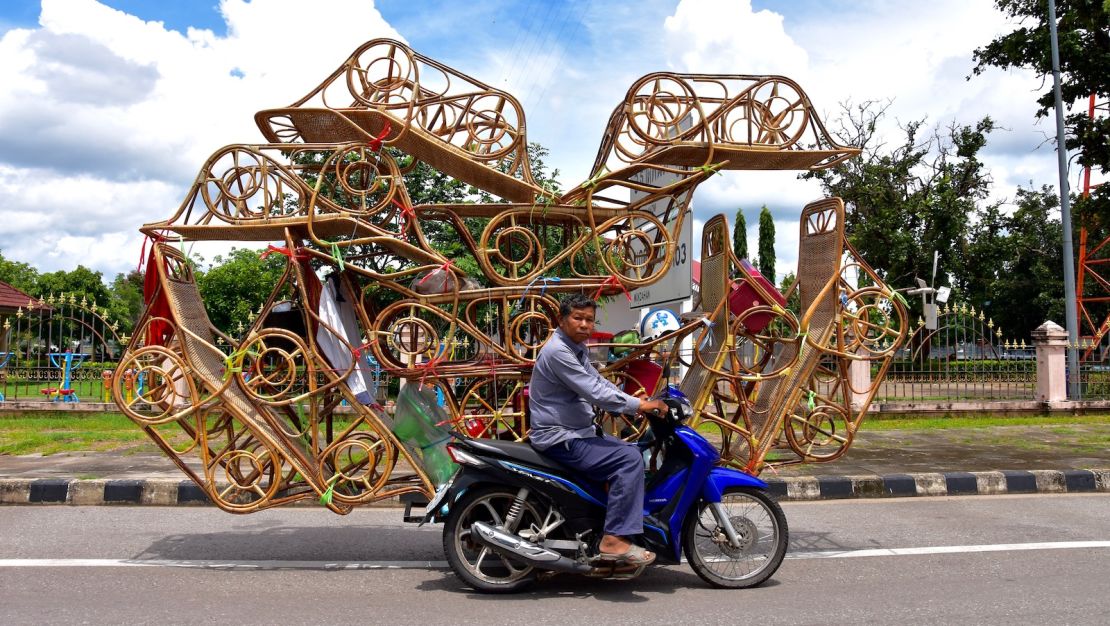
x: 67, y: 362
x: 4, y: 358
x: 37, y: 339
x: 259, y: 414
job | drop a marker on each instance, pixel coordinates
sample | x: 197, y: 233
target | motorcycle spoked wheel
x: 761, y: 527
x: 478, y: 566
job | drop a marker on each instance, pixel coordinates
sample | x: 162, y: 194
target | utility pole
x: 1065, y: 214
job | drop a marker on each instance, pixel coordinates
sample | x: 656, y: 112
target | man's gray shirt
x: 564, y: 387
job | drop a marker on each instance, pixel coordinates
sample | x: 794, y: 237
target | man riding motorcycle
x: 564, y: 388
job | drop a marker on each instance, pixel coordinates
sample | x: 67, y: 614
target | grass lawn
x: 54, y: 432
x: 986, y: 421
x: 50, y: 433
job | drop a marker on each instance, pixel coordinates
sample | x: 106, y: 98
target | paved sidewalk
x: 1003, y: 459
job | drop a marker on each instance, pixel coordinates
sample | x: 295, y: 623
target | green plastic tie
x: 591, y: 183
x: 710, y: 170
x: 229, y: 366
x: 229, y: 361
x: 337, y: 254
x: 899, y: 297
x: 326, y: 497
x: 810, y: 403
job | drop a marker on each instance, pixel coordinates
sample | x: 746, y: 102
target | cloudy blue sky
x: 110, y: 107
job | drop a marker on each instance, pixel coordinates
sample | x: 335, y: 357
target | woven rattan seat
x: 207, y: 363
x: 714, y: 288
x: 748, y: 157
x: 337, y: 126
x: 324, y: 226
x: 819, y: 252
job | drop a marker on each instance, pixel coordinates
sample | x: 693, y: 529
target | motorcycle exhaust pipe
x: 513, y: 546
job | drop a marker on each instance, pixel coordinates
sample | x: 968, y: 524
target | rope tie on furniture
x: 408, y: 214
x: 233, y: 363
x: 445, y: 267
x: 153, y: 239
x: 376, y: 144
x: 543, y: 287
x: 615, y: 281
x: 710, y: 170
x: 291, y: 255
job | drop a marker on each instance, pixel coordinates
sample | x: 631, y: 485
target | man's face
x: 578, y: 324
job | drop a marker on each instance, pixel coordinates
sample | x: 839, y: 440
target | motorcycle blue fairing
x: 721, y: 478
x: 673, y: 498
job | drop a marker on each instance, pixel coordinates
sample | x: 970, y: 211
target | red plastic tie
x: 430, y: 367
x: 616, y: 282
x: 357, y: 351
x: 155, y: 238
x: 285, y: 252
x: 376, y: 145
x: 407, y: 213
x: 445, y: 267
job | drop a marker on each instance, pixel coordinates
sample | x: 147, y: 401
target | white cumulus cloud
x: 105, y: 118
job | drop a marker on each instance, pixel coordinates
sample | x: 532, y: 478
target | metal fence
x: 966, y: 357
x: 1094, y: 374
x: 57, y: 348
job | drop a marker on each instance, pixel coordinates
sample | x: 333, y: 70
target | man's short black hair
x: 575, y: 301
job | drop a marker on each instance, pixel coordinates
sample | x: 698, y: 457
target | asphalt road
x: 999, y: 559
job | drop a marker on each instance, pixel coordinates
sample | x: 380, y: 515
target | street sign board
x: 675, y: 285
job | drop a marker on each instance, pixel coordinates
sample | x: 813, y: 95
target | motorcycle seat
x: 522, y: 452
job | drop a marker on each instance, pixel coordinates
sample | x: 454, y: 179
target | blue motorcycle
x: 512, y: 516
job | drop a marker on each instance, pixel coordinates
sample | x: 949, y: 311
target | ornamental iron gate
x: 59, y: 349
x: 967, y: 357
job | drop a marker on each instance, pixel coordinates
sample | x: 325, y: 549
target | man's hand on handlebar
x: 655, y: 407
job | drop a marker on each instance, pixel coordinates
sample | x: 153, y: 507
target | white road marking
x: 997, y: 547
x: 379, y: 565
x: 228, y: 565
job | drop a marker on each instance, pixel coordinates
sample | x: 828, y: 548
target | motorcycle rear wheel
x: 478, y: 566
x: 761, y: 527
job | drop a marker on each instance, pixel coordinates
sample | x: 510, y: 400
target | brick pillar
x: 1052, y: 343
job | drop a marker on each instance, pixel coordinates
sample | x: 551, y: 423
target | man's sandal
x: 635, y: 555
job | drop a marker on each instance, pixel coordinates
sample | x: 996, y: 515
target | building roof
x: 11, y: 298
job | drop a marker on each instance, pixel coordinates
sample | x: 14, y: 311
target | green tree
x: 794, y: 302
x: 905, y: 201
x: 1083, y: 33
x: 988, y: 251
x: 740, y: 236
x: 766, y: 244
x: 80, y: 282
x: 125, y: 300
x: 22, y: 276
x: 1029, y: 288
x: 235, y: 287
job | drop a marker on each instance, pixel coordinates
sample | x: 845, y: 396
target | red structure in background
x: 1091, y: 261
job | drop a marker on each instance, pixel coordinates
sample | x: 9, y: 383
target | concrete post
x: 859, y: 381
x: 1052, y: 342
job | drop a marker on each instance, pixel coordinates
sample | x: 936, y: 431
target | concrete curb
x: 172, y: 492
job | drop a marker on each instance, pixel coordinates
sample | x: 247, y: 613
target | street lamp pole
x: 1065, y: 215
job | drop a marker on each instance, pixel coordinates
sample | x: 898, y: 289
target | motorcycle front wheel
x: 760, y: 525
x: 478, y: 566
